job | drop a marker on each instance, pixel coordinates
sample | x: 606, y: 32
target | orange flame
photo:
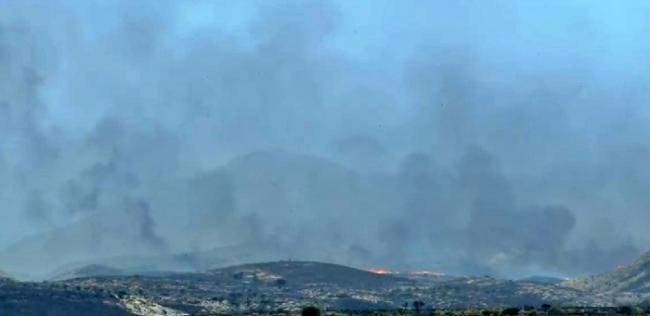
x: 380, y: 271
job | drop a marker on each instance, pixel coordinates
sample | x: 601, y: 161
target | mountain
x: 184, y: 262
x: 633, y: 278
x: 289, y: 285
x: 92, y: 270
x: 270, y: 286
x: 306, y: 273
x: 87, y: 240
x: 297, y: 200
x: 234, y: 211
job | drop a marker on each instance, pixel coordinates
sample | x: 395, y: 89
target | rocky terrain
x: 287, y: 286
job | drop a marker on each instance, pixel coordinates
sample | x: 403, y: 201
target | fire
x: 380, y: 271
x: 428, y: 273
x: 418, y: 273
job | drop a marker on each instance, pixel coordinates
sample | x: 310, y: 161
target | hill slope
x: 286, y: 285
x: 306, y: 273
x: 631, y: 278
x: 26, y: 299
x: 89, y: 271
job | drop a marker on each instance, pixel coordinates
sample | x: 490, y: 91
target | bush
x: 417, y: 306
x: 512, y: 311
x: 280, y: 282
x: 625, y: 310
x: 490, y: 312
x: 310, y: 311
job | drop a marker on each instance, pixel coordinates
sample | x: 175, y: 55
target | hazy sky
x: 505, y: 137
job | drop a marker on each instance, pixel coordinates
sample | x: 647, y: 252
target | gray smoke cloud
x: 504, y: 138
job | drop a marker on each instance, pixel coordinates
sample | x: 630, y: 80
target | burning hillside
x: 382, y: 271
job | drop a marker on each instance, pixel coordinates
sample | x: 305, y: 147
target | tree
x: 280, y: 282
x: 310, y: 311
x: 511, y: 311
x: 417, y: 306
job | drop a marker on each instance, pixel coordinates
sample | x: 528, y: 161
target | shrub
x: 511, y: 311
x: 280, y: 282
x: 417, y: 306
x: 310, y: 311
x: 625, y: 310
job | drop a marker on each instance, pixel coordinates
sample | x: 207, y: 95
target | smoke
x: 142, y: 213
x: 507, y: 138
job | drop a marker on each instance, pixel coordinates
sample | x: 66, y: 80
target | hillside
x: 633, y: 278
x: 88, y: 271
x: 284, y: 285
x: 305, y: 273
x: 185, y: 262
x: 540, y: 279
x: 288, y: 285
x: 31, y: 299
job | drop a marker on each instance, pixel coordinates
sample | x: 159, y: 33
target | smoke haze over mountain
x: 466, y: 136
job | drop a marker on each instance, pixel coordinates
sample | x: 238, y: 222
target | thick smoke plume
x: 507, y: 138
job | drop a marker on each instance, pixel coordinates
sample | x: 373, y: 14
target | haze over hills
x: 181, y: 262
x: 89, y: 239
x: 305, y: 129
x: 267, y: 180
x: 270, y: 205
x: 273, y: 204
